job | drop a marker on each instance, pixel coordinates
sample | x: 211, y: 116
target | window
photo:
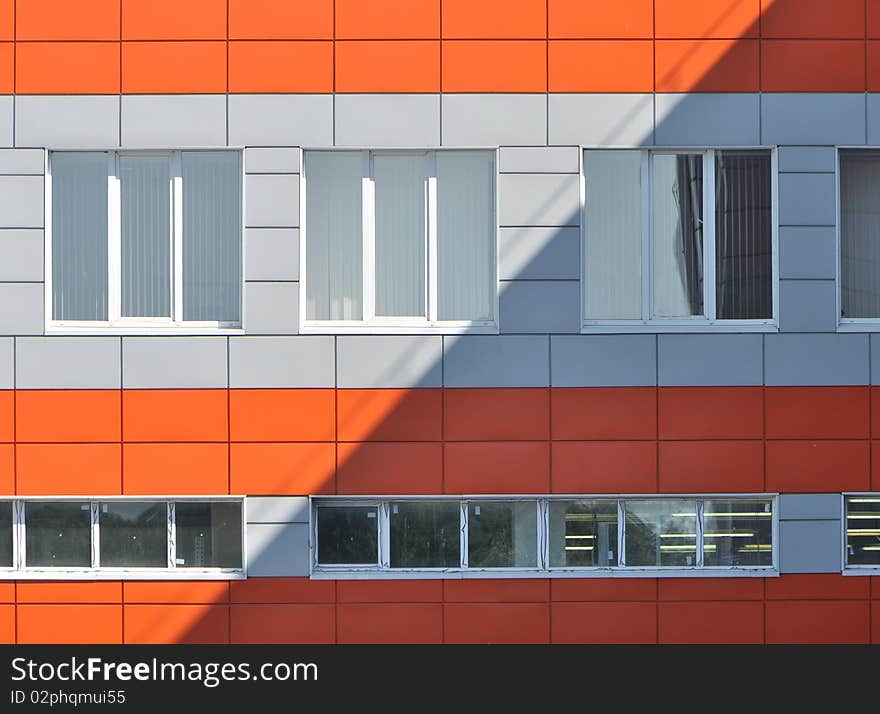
x: 859, y: 236
x: 862, y: 531
x: 677, y: 239
x: 145, y: 239
x: 399, y: 240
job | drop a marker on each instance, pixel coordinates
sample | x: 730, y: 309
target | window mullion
x: 709, y: 235
x: 431, y: 268
x: 647, y: 239
x: 621, y: 534
x: 700, y: 535
x: 94, y: 507
x: 543, y: 534
x: 172, y: 536
x: 114, y: 239
x: 368, y: 191
x: 176, y: 218
x: 384, y: 531
x: 464, y: 534
x: 20, y: 540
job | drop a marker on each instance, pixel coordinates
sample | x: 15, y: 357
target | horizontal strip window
x: 862, y: 544
x: 649, y: 535
x: 121, y: 538
x: 858, y: 223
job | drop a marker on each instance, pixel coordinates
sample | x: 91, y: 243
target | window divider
x: 621, y: 533
x: 463, y: 540
x: 383, y: 525
x: 94, y: 508
x: 172, y: 535
x: 18, y: 535
x: 700, y: 535
x: 543, y: 534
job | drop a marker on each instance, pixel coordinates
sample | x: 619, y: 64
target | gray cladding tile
x: 809, y: 506
x: 280, y: 509
x: 496, y: 361
x: 813, y: 118
x: 488, y: 119
x: 807, y: 159
x: 173, y: 120
x: 21, y: 255
x: 710, y: 360
x: 604, y: 360
x: 271, y: 308
x: 281, y: 120
x: 7, y: 123
x: 708, y: 119
x: 21, y: 202
x: 540, y: 306
x: 810, y: 547
x: 807, y: 253
x: 271, y: 201
x: 277, y: 550
x: 807, y: 200
x: 282, y: 362
x: 875, y: 359
x: 873, y: 117
x: 7, y: 363
x: 275, y: 160
x: 376, y: 120
x: 22, y: 161
x: 539, y: 199
x: 601, y: 119
x: 271, y: 254
x: 807, y: 306
x: 174, y: 362
x: 67, y: 363
x: 21, y: 309
x: 70, y: 121
x: 376, y: 361
x: 816, y: 359
x: 539, y: 160
x: 539, y: 253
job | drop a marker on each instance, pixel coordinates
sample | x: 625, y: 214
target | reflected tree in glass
x: 425, y: 535
x: 661, y: 533
x: 583, y: 533
x: 502, y: 534
x: 348, y: 535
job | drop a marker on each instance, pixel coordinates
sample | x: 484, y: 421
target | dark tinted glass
x: 502, y: 534
x: 5, y: 534
x: 208, y: 534
x: 58, y: 534
x: 348, y: 535
x: 134, y: 534
x: 425, y: 535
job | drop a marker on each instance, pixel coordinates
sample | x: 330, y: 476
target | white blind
x: 860, y: 234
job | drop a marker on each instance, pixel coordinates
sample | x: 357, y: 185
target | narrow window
x: 859, y: 234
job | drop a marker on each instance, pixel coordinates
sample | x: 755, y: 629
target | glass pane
x: 208, y: 534
x: 348, y: 535
x: 212, y: 235
x: 79, y: 236
x: 862, y: 530
x: 465, y: 235
x: 400, y: 234
x: 737, y: 532
x: 334, y: 235
x: 860, y: 234
x: 583, y: 534
x: 58, y: 534
x: 743, y: 236
x: 6, y: 534
x: 134, y: 534
x: 145, y: 185
x: 661, y: 533
x: 425, y: 535
x: 678, y: 235
x: 502, y: 534
x: 613, y: 235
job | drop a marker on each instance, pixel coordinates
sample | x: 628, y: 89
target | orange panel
x: 67, y: 68
x: 274, y: 20
x: 69, y: 593
x: 69, y: 469
x: 174, y: 415
x: 65, y: 20
x: 813, y: 66
x: 711, y: 466
x: 70, y: 624
x: 497, y: 467
x: 7, y: 469
x: 875, y: 412
x: 198, y: 469
x: 671, y: 589
x: 604, y: 623
x: 708, y: 66
x: 70, y: 415
x: 282, y: 590
x: 491, y: 19
x: 400, y: 623
x: 873, y: 63
x: 7, y: 19
x: 711, y: 622
x: 818, y: 466
x: 282, y: 414
x: 7, y: 592
x: 7, y: 415
x: 7, y: 67
x: 873, y: 18
x: 601, y: 66
x: 831, y: 622
x: 173, y: 67
x: 711, y: 413
x: 283, y: 624
x: 268, y: 66
x: 721, y: 18
x: 817, y: 412
x: 176, y: 624
x: 387, y: 19
x: 598, y: 18
x: 813, y: 18
x: 500, y: 66
x: 172, y: 20
x: 603, y: 589
x: 875, y: 622
x: 390, y: 590
x: 500, y: 623
x: 830, y: 586
x: 875, y: 465
x: 604, y: 467
x: 608, y: 413
x: 7, y: 624
x: 390, y: 414
x: 176, y: 592
x: 393, y: 66
x: 500, y: 590
x: 390, y: 468
x: 283, y: 469
x: 483, y: 414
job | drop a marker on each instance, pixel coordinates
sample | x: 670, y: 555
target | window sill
x: 639, y: 327
x: 860, y: 326
x: 516, y: 573
x: 861, y: 570
x: 120, y: 574
x: 396, y: 329
x: 141, y: 330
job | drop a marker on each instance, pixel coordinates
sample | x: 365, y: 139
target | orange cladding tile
x: 282, y: 590
x: 274, y: 20
x: 7, y: 19
x: 817, y: 412
x: 7, y: 415
x: 494, y: 66
x: 711, y: 413
x: 403, y: 468
x: 390, y: 590
x: 69, y: 592
x: 873, y: 63
x: 503, y: 414
x: 818, y: 466
x: 603, y: 589
x: 497, y: 623
x: 873, y: 18
x: 387, y: 19
x: 197, y: 469
x: 67, y: 68
x: 69, y: 469
x: 608, y: 413
x: 813, y: 66
x: 875, y: 412
x: 172, y: 20
x: 174, y: 415
x: 68, y: 415
x: 491, y: 19
x: 7, y: 67
x: 70, y: 624
x: 604, y: 467
x: 283, y: 624
x: 283, y: 469
x: 813, y: 18
x: 7, y: 624
x: 818, y: 622
x: 711, y: 466
x: 826, y: 586
x: 598, y: 18
x: 604, y: 623
x: 497, y: 467
x: 708, y: 66
x: 65, y: 20
x: 400, y: 623
x: 672, y: 589
x: 875, y: 465
x: 711, y: 622
x: 388, y: 66
x: 497, y: 590
x: 601, y: 66
x: 175, y: 592
x: 173, y: 67
x: 7, y: 592
x: 266, y: 66
x: 875, y: 623
x: 390, y: 414
x: 7, y: 470
x: 176, y: 624
x: 721, y: 18
x: 282, y: 414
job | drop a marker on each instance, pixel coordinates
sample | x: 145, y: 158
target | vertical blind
x: 860, y: 234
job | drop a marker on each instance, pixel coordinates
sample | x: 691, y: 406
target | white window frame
x: 708, y: 322
x: 116, y: 323
x: 371, y: 324
x: 846, y: 568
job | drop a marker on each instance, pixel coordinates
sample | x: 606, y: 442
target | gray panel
x: 791, y: 360
x: 543, y: 160
x: 7, y: 362
x: 807, y: 159
x: 7, y: 123
x: 271, y: 161
x: 173, y: 120
x: 265, y: 362
x: 76, y: 122
x: 604, y: 360
x: 22, y: 161
x: 875, y: 359
x: 21, y: 309
x: 807, y: 253
x: 487, y: 119
x: 539, y: 253
x: 710, y: 360
x: 809, y: 506
x: 388, y: 120
x: 271, y: 200
x: 822, y: 118
x: 21, y: 201
x: 809, y: 547
x: 277, y: 550
x: 539, y: 200
x: 708, y: 119
x: 174, y: 362
x: 374, y: 361
x: 807, y: 200
x: 281, y: 120
x: 67, y: 363
x: 807, y: 306
x: 21, y: 255
x: 540, y: 306
x: 271, y: 308
x: 282, y: 509
x: 601, y: 119
x: 873, y: 112
x: 496, y: 361
x: 271, y: 254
